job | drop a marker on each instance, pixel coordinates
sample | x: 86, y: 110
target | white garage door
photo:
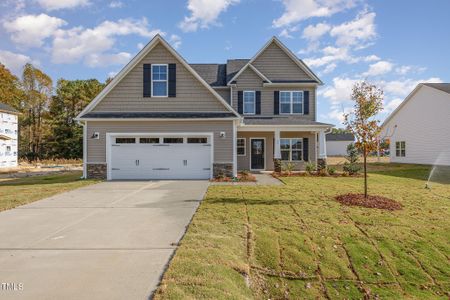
x: 160, y: 157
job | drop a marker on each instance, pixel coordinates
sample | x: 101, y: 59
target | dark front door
x: 257, y: 154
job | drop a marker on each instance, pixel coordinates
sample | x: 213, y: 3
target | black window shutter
x: 172, y: 80
x: 240, y: 102
x: 147, y: 80
x: 306, y: 102
x: 276, y: 102
x: 305, y: 149
x: 258, y: 102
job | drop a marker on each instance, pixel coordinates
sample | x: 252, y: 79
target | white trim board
x: 110, y: 135
x: 134, y: 62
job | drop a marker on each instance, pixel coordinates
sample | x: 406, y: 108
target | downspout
x: 84, y: 148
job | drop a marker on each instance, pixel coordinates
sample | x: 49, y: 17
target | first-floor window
x: 241, y: 146
x: 291, y: 149
x: 400, y: 149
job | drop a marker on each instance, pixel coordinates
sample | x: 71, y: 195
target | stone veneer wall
x: 222, y: 169
x: 97, y: 171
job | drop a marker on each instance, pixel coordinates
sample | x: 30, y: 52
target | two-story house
x: 163, y: 118
x: 8, y: 136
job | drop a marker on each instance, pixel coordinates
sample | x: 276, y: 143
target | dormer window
x: 291, y: 102
x: 249, y: 103
x: 159, y: 80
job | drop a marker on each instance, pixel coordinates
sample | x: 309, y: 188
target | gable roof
x: 6, y: 108
x: 340, y: 137
x: 444, y: 87
x: 289, y: 53
x: 155, y: 41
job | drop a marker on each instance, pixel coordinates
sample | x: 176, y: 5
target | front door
x: 257, y: 154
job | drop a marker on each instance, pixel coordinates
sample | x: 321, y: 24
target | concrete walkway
x: 106, y: 241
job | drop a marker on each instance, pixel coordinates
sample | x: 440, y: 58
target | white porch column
x: 277, y: 150
x: 322, y: 145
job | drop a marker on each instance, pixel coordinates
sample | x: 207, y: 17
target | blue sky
x: 394, y: 44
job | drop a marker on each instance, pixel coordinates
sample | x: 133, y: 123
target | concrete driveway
x: 111, y: 240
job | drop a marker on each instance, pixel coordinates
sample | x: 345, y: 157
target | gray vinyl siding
x: 249, y: 80
x: 223, y: 147
x: 243, y: 161
x: 127, y: 95
x: 225, y: 93
x: 277, y: 65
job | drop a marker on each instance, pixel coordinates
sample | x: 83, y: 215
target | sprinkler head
x: 427, y: 186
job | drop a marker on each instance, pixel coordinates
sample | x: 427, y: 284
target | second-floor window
x: 249, y: 103
x: 159, y: 81
x: 291, y: 102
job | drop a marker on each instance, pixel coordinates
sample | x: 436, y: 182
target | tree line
x: 47, y: 128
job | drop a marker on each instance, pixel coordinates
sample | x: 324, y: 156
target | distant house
x: 337, y: 143
x: 8, y: 136
x: 419, y: 129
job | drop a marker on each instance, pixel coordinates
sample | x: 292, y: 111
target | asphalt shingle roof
x: 213, y: 74
x: 340, y: 137
x: 167, y: 115
x: 445, y: 87
x: 280, y: 121
x: 7, y: 108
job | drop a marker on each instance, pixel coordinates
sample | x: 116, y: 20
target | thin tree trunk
x: 365, y: 171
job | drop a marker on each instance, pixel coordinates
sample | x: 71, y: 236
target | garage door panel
x: 161, y: 161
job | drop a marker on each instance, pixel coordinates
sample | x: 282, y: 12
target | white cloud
x: 402, y: 88
x: 403, y: 70
x: 392, y: 105
x: 140, y: 46
x: 340, y: 92
x: 331, y: 55
x: 314, y: 32
x: 329, y: 68
x: 13, y: 61
x: 204, y: 13
x: 371, y: 58
x: 298, y: 10
x: 379, y: 68
x: 112, y: 74
x: 175, y: 40
x: 32, y: 30
x: 60, y: 4
x: 75, y: 44
x: 356, y: 32
x: 99, y: 60
x: 116, y: 4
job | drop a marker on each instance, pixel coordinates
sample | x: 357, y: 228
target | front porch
x: 258, y: 149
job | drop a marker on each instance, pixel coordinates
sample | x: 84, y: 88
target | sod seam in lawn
x: 295, y: 241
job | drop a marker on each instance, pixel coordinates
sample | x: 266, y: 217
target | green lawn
x: 295, y: 241
x: 19, y: 191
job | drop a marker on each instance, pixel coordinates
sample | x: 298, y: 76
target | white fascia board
x: 157, y: 39
x: 290, y: 84
x: 273, y: 128
x: 158, y: 119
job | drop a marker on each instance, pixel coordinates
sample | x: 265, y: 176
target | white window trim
x: 291, y: 100
x: 290, y: 149
x: 166, y: 81
x: 254, y: 103
x: 245, y: 146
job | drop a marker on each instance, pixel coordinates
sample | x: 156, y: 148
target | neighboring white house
x: 8, y: 136
x: 337, y: 143
x: 419, y: 129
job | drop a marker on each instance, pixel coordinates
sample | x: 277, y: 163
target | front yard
x: 295, y: 241
x: 19, y: 191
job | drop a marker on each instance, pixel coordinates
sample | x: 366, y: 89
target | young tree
x: 361, y: 121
